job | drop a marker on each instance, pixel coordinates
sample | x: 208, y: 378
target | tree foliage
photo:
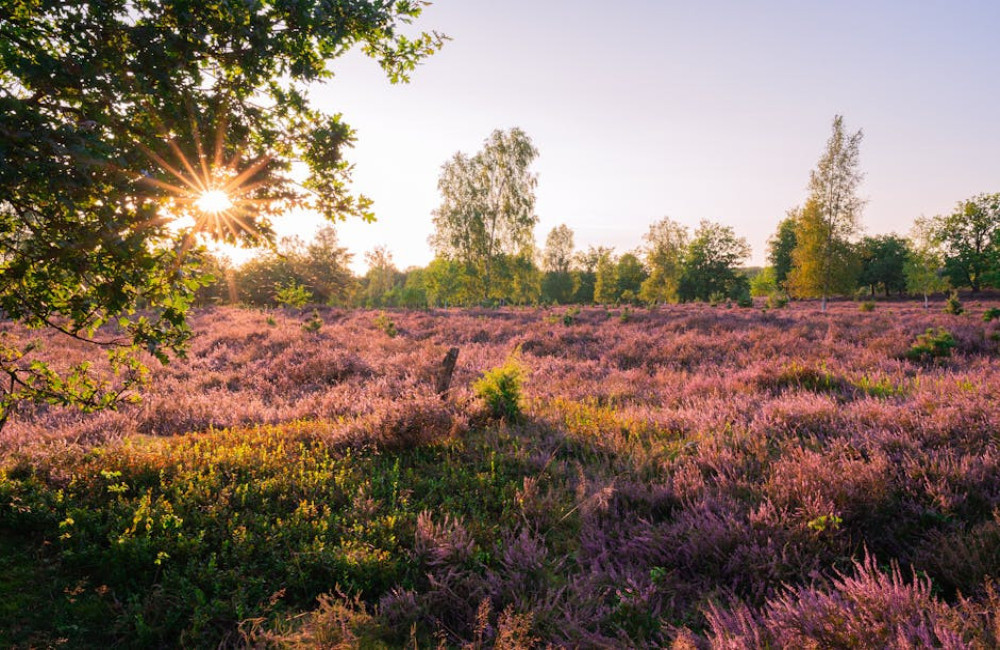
x: 557, y: 256
x: 487, y: 205
x: 321, y: 267
x: 605, y: 277
x: 711, y: 263
x: 666, y: 244
x: 780, y: 247
x: 117, y: 115
x: 822, y: 264
x: 970, y: 237
x: 883, y: 258
x: 629, y: 277
x: 924, y: 267
x: 382, y: 279
x: 834, y: 212
x: 557, y: 261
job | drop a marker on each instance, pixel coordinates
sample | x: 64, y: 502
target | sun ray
x: 170, y: 168
x: 187, y: 164
x: 220, y: 130
x: 259, y: 164
x: 196, y: 133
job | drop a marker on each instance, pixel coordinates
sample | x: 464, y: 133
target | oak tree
x: 970, y: 237
x: 131, y: 129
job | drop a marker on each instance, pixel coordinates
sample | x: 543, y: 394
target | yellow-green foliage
x: 500, y: 388
x: 822, y: 264
x: 188, y: 536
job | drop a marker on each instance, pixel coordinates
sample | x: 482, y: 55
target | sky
x: 695, y: 110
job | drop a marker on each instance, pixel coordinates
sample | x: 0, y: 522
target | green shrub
x: 384, y: 323
x: 867, y: 305
x: 292, y: 294
x: 500, y: 388
x: 954, y: 305
x: 744, y: 300
x: 991, y: 314
x: 314, y: 323
x: 777, y: 300
x: 716, y: 299
x: 932, y: 344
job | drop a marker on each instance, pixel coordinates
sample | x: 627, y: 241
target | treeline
x: 486, y: 253
x: 675, y: 265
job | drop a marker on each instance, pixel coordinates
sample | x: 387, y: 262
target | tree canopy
x: 132, y: 129
x: 883, y: 258
x: 971, y: 239
x: 487, y: 205
x: 831, y: 218
x: 710, y: 263
x: 666, y: 242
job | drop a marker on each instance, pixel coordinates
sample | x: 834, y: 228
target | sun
x: 219, y: 193
x: 213, y: 201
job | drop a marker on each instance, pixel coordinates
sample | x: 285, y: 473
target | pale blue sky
x: 696, y: 110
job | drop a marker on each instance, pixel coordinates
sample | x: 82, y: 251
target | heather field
x: 694, y: 476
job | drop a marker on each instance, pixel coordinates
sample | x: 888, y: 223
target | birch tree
x: 487, y: 205
x: 833, y: 194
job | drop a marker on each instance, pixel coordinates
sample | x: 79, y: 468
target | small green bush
x: 777, y: 300
x: 500, y: 388
x: 932, y: 344
x: 292, y: 294
x: 993, y: 313
x: 384, y: 323
x: 570, y: 316
x: 867, y: 305
x: 954, y: 305
x: 314, y: 323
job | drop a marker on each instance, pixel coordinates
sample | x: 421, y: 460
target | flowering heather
x: 695, y: 476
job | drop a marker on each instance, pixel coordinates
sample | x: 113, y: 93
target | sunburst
x: 213, y: 196
x: 213, y: 201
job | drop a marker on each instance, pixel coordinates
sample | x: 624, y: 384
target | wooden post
x: 447, y: 368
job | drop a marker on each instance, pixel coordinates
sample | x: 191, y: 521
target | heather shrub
x: 500, y: 388
x: 695, y: 456
x: 406, y: 423
x: 963, y: 558
x: 932, y: 344
x: 870, y: 609
x: 337, y: 622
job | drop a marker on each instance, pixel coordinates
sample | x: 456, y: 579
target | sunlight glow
x: 213, y: 201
